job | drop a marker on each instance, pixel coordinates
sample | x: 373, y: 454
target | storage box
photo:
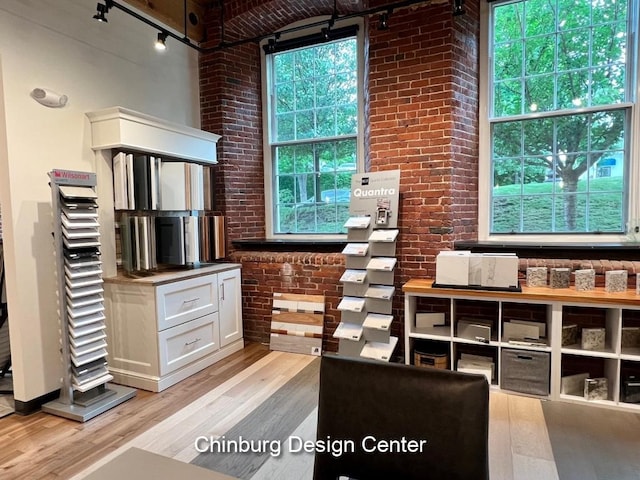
x: 525, y: 371
x: 593, y: 338
x: 596, y: 388
x: 432, y: 360
x: 569, y: 335
x: 630, y: 337
x: 631, y: 389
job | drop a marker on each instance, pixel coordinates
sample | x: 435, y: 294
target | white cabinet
x: 166, y: 327
x: 230, y: 302
x: 466, y: 323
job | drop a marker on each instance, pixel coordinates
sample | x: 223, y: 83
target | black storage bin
x: 525, y: 371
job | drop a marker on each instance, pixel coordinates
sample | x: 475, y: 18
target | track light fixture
x: 383, y: 22
x: 102, y: 10
x: 161, y: 42
x: 458, y: 7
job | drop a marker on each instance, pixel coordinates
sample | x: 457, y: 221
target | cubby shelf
x: 548, y: 309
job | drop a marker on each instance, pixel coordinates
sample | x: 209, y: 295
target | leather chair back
x: 393, y: 421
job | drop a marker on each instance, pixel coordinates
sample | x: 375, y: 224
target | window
x: 561, y: 106
x: 313, y: 126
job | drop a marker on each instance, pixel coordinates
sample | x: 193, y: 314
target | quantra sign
x: 374, y: 192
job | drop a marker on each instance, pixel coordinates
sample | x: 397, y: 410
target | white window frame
x: 268, y: 117
x: 485, y: 180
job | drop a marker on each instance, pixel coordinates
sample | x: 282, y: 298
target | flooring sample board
x: 379, y: 350
x: 358, y: 222
x: 297, y: 323
x: 349, y: 331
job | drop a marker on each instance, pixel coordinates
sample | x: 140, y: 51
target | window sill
x: 281, y: 245
x: 574, y: 251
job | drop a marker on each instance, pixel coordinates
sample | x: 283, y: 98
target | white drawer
x: 179, y: 302
x: 186, y: 343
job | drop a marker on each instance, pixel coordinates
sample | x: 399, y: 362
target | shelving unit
x: 548, y: 310
x: 84, y: 392
x: 368, y: 281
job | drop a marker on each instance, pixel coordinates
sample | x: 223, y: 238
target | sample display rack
x: 84, y: 393
x: 546, y: 367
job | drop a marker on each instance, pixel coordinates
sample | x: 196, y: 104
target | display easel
x: 84, y: 393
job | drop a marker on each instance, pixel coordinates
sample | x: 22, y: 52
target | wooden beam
x: 171, y: 13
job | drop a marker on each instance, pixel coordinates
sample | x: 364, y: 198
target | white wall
x: 57, y: 45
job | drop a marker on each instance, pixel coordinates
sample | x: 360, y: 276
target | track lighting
x: 458, y: 7
x: 161, y: 41
x: 383, y: 23
x: 102, y: 10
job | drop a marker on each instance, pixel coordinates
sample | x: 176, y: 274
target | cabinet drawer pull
x: 191, y: 300
x: 192, y: 342
x: 525, y: 357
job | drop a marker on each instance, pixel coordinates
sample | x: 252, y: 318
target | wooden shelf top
x: 539, y: 294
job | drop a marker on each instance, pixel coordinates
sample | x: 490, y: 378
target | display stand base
x: 517, y: 288
x: 114, y: 395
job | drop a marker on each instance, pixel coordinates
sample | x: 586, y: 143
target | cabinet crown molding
x: 122, y: 128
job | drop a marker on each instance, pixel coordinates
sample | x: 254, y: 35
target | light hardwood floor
x: 212, y: 402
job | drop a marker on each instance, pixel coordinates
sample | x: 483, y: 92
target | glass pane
x: 304, y: 162
x: 505, y: 214
x: 325, y: 120
x: 573, y: 49
x: 286, y: 220
x: 346, y: 84
x: 606, y: 212
x: 570, y: 214
x: 345, y: 55
x: 608, y: 85
x: 304, y: 63
x: 507, y: 98
x: 573, y: 14
x: 609, y: 44
x: 305, y: 95
x: 285, y: 190
x: 608, y: 10
x: 285, y: 127
x: 507, y: 173
x: 539, y: 94
x: 346, y: 158
x: 507, y: 61
x: 540, y: 54
x: 285, y: 98
x: 508, y: 20
x: 537, y: 213
x: 284, y: 160
x: 306, y: 219
x: 326, y: 92
x: 572, y: 134
x: 534, y: 173
x: 538, y: 137
x: 346, y: 119
x: 507, y: 139
x: 573, y: 89
x: 607, y: 130
x: 325, y: 60
x: 304, y: 125
x: 539, y: 17
x: 283, y: 67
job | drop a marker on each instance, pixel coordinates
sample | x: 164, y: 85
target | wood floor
x: 43, y: 446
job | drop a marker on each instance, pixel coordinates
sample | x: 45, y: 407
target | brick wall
x: 422, y: 119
